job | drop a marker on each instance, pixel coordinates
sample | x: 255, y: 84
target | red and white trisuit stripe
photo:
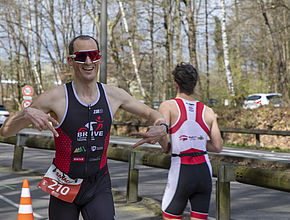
x: 190, y: 175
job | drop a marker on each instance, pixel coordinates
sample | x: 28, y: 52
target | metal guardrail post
x: 222, y: 194
x: 18, y: 152
x: 133, y: 176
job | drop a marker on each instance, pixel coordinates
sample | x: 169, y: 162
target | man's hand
x: 153, y: 135
x: 41, y: 120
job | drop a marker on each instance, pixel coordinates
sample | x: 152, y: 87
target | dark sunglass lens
x: 93, y: 55
x: 81, y: 56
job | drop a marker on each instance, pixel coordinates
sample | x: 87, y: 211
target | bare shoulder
x: 167, y: 104
x: 117, y: 97
x: 49, y: 98
x: 209, y: 111
x: 113, y: 90
x: 53, y: 93
x: 209, y: 116
x: 116, y: 94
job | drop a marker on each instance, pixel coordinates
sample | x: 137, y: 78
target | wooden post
x: 222, y: 194
x: 132, y: 191
x: 257, y: 140
x: 18, y: 154
x: 133, y: 176
x: 222, y: 135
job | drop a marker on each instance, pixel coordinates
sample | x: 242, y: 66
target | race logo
x: 183, y: 138
x: 93, y: 128
x: 191, y: 107
x: 190, y: 138
x: 62, y: 177
x: 98, y: 111
x: 94, y: 148
x: 79, y: 150
x: 81, y: 159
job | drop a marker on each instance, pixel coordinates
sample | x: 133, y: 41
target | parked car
x: 256, y: 100
x: 4, y: 114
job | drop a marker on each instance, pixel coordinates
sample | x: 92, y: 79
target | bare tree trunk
x: 167, y: 13
x: 226, y: 51
x: 178, y: 32
x: 280, y: 62
x: 53, y: 32
x: 122, y: 81
x: 192, y: 20
x: 132, y: 51
x: 191, y: 32
x: 151, y: 28
x: 238, y: 37
x: 38, y: 84
x: 91, y: 13
x: 80, y: 17
x: 206, y: 50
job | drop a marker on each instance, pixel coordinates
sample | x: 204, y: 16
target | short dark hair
x: 81, y: 37
x: 186, y: 76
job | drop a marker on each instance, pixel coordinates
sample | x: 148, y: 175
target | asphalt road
x: 247, y: 202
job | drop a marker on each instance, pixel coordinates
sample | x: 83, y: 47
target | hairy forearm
x: 156, y: 118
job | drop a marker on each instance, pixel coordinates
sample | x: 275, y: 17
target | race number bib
x: 60, y: 185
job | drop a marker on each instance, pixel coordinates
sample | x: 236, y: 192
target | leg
x: 60, y: 210
x: 101, y: 206
x: 200, y: 200
x: 174, y: 199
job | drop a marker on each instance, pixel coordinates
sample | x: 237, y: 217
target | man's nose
x: 88, y: 60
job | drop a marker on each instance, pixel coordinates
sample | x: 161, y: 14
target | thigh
x: 60, y: 210
x: 200, y: 199
x: 175, y: 197
x: 101, y: 207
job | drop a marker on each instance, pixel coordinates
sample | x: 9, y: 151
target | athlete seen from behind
x: 193, y: 131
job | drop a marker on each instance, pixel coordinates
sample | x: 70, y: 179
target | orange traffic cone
x: 25, y: 208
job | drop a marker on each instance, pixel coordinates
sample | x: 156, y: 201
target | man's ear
x: 176, y: 85
x: 70, y: 61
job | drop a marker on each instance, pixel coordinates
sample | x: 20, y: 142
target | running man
x: 191, y: 123
x: 81, y: 113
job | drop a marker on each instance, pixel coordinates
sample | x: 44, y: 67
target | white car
x: 4, y: 114
x: 256, y: 100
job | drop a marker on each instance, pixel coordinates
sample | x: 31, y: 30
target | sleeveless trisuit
x: 81, y: 152
x: 190, y: 173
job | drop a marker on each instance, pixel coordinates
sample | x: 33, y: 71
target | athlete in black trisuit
x: 80, y: 114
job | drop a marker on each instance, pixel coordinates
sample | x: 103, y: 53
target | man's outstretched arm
x: 155, y: 133
x: 37, y: 115
x: 24, y: 118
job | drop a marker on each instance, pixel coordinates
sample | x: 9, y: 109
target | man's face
x: 88, y: 70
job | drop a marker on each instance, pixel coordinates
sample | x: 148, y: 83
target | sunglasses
x: 81, y: 56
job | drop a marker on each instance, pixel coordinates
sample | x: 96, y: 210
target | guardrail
x: 256, y: 132
x: 224, y: 172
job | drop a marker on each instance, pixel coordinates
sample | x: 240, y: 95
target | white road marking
x: 17, y: 206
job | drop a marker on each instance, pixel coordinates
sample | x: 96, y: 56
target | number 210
x: 61, y: 189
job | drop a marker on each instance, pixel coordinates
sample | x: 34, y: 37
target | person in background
x: 193, y: 131
x: 80, y: 114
